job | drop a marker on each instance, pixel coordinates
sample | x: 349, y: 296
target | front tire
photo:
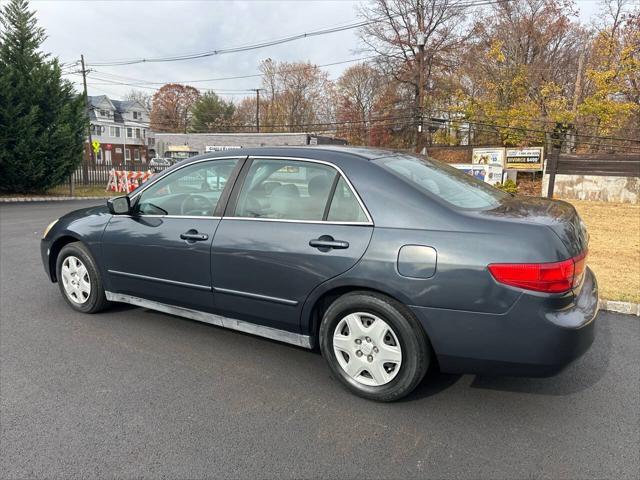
x: 79, y: 279
x: 374, y: 346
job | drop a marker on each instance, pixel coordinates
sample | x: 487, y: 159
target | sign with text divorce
x: 524, y: 158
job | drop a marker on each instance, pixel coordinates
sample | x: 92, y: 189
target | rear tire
x: 374, y: 346
x: 79, y: 279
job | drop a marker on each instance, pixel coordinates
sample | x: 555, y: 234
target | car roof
x: 364, y: 153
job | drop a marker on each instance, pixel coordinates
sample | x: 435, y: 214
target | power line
x: 269, y: 43
x: 528, y: 134
x: 509, y: 127
x: 235, y: 77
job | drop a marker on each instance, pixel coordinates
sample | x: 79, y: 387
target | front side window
x: 129, y: 132
x: 114, y: 131
x: 443, y: 181
x: 190, y: 191
x: 137, y: 133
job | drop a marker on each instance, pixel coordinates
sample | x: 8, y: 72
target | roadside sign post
x: 552, y: 167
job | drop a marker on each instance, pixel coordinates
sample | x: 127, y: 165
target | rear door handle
x: 326, y: 243
x: 193, y: 236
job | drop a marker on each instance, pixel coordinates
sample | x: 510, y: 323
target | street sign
x: 96, y: 146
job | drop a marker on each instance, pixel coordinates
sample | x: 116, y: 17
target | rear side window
x: 297, y: 190
x: 344, y: 205
x: 285, y: 189
x: 444, y: 181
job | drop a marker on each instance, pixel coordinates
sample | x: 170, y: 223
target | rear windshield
x: 448, y: 183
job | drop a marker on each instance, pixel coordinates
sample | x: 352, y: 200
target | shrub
x: 508, y: 186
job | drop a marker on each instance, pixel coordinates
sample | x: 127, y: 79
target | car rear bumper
x: 533, y: 338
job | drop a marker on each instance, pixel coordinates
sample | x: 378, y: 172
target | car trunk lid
x: 561, y: 217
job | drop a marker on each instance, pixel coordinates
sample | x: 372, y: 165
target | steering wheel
x: 196, y: 205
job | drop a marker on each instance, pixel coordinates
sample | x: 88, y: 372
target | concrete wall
x: 595, y: 187
x: 198, y: 142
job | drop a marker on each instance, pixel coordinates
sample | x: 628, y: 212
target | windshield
x: 448, y: 183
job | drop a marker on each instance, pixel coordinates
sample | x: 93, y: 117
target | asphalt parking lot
x: 134, y: 393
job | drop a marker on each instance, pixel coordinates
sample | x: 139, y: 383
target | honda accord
x: 388, y: 262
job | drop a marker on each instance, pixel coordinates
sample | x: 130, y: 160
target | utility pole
x: 258, y: 110
x: 576, y: 97
x: 422, y: 39
x: 85, y: 167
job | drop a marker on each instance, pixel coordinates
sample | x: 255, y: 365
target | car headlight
x: 46, y: 230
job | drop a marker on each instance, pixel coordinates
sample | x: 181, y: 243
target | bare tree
x: 143, y: 98
x: 297, y: 95
x: 393, y: 35
x: 358, y: 90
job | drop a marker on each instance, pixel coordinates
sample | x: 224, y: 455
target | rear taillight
x: 556, y: 277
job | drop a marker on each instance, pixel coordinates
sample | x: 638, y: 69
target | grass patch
x: 81, y: 191
x: 614, y: 247
x: 63, y: 191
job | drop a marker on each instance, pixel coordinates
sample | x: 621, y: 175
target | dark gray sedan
x: 388, y: 262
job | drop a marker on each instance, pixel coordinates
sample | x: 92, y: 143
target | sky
x: 105, y: 30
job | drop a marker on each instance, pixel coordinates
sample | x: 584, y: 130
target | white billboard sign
x: 488, y: 156
x: 220, y: 148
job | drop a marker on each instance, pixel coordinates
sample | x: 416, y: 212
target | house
x: 121, y: 127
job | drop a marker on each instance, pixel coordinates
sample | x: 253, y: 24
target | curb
x: 47, y: 199
x: 628, y: 308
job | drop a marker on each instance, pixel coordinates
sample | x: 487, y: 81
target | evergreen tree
x: 211, y: 113
x: 42, y: 119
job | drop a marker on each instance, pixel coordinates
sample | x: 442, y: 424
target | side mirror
x: 119, y: 205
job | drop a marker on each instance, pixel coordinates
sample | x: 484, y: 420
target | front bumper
x: 45, y: 250
x: 533, y: 338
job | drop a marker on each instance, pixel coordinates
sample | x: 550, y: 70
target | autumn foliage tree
x: 171, y: 107
x: 508, y: 73
x: 612, y: 99
x: 357, y: 92
x: 520, y: 69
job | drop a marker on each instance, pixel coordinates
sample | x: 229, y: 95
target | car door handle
x: 326, y: 243
x: 194, y: 236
